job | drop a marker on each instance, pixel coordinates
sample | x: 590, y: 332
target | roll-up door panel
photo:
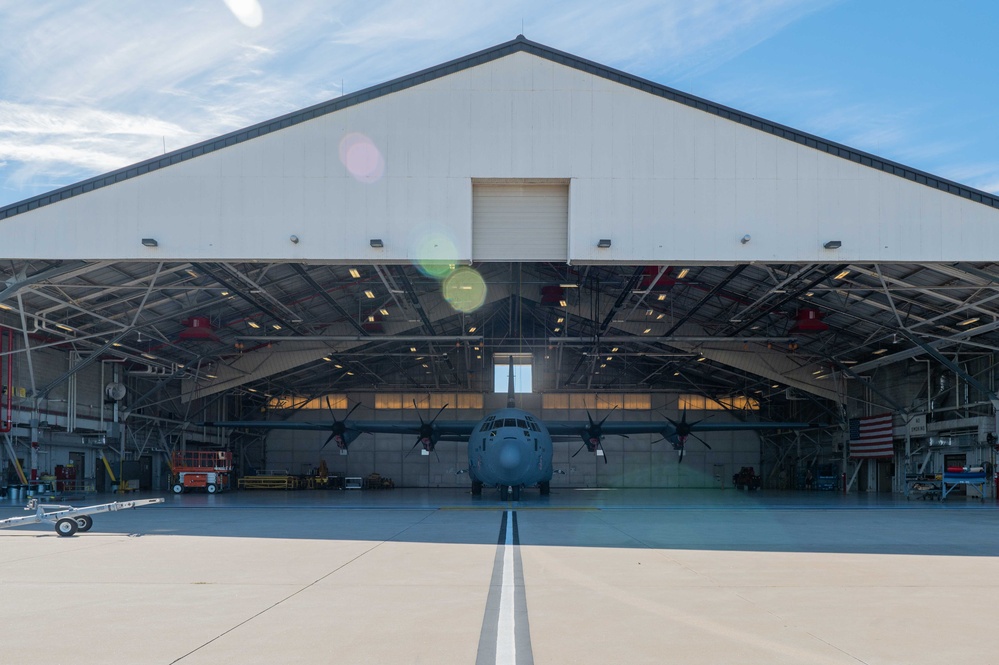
x: 520, y: 222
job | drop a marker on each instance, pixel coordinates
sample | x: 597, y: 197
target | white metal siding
x: 520, y: 222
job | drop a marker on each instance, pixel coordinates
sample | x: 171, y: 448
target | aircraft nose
x: 509, y: 455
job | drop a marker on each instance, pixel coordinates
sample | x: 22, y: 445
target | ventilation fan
x: 115, y: 391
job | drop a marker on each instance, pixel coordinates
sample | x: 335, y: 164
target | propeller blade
x: 417, y: 411
x: 701, y: 440
x: 438, y: 414
x: 351, y: 410
x: 328, y: 439
x: 580, y: 448
x: 413, y: 448
x: 604, y: 455
x: 605, y: 417
x: 681, y: 456
x: 330, y: 407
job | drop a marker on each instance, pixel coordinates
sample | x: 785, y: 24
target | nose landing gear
x: 509, y: 492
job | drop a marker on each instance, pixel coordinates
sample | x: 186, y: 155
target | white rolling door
x: 520, y: 221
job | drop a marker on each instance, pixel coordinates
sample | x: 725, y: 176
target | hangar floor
x: 418, y: 576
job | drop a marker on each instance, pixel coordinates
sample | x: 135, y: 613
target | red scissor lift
x: 200, y: 469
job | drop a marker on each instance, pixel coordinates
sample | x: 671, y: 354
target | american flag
x: 870, y: 437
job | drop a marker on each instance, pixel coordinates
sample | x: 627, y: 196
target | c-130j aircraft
x: 509, y: 448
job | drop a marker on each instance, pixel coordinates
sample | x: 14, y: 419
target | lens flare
x: 435, y: 255
x: 464, y: 289
x: 362, y: 158
x: 249, y: 12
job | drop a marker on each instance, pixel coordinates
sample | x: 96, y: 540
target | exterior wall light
x: 833, y: 244
x: 604, y: 243
x: 150, y: 242
x: 376, y: 243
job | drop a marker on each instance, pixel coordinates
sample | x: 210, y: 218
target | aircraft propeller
x: 684, y: 430
x: 339, y: 427
x: 426, y: 434
x: 592, y: 440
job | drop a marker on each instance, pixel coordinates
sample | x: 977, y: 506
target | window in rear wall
x: 522, y: 372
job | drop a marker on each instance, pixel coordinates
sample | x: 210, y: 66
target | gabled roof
x: 520, y: 44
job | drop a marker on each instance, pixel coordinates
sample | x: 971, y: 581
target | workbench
x: 973, y: 479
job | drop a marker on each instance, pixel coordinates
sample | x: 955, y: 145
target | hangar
x: 638, y: 247
x: 640, y: 253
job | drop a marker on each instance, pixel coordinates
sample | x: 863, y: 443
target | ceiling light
x: 6, y: 307
x: 338, y: 365
x: 115, y: 344
x: 809, y: 294
x: 225, y: 293
x: 478, y: 357
x: 191, y: 272
x: 355, y: 273
x: 180, y: 365
x: 426, y: 365
x: 647, y: 331
x: 350, y: 374
x: 662, y: 296
x: 968, y: 322
x: 211, y: 376
x: 880, y: 351
x: 604, y: 243
x: 614, y: 350
x: 701, y: 359
x: 569, y: 286
x: 253, y: 324
x: 252, y: 390
x: 476, y: 348
x: 683, y: 273
x: 376, y: 243
x: 419, y: 357
x: 63, y: 327
x: 150, y: 242
x: 659, y: 317
x: 371, y: 318
x: 649, y: 312
x: 413, y: 349
x: 676, y: 373
x: 369, y: 294
x: 560, y: 319
x: 849, y: 362
x: 557, y: 329
x: 776, y: 385
x: 472, y: 329
x: 833, y: 244
x: 604, y: 365
x: 383, y: 312
x: 610, y: 358
x: 275, y: 326
x: 842, y: 274
x: 148, y: 355
x: 562, y: 303
x: 327, y: 359
x: 818, y: 371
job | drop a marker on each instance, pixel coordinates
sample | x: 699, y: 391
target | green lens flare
x: 465, y: 289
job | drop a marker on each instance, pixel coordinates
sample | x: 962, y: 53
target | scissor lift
x: 67, y: 519
x: 200, y: 469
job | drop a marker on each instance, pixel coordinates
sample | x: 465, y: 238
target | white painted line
x: 506, y: 639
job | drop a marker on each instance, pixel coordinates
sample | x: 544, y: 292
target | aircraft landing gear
x: 504, y: 492
x: 545, y: 488
x: 476, y: 488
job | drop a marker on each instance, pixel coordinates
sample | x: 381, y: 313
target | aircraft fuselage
x: 510, y: 448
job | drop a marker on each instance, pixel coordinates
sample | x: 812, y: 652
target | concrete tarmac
x: 437, y: 576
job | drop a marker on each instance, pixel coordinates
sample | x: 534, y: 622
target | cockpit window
x: 522, y: 424
x: 534, y: 425
x: 510, y: 422
x: 486, y: 425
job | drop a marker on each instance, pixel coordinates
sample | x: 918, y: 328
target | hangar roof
x: 285, y: 327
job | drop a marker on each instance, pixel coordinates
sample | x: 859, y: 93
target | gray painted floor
x: 415, y: 576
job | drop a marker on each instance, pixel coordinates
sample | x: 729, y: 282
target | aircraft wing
x: 662, y: 427
x: 445, y: 428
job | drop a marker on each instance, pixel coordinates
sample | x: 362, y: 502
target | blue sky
x: 87, y: 87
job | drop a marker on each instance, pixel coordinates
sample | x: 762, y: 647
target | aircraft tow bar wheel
x: 178, y: 488
x: 212, y: 489
x: 66, y: 527
x: 84, y: 522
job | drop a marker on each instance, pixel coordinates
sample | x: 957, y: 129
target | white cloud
x: 95, y: 86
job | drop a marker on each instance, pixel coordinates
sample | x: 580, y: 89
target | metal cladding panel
x: 520, y: 222
x: 665, y: 181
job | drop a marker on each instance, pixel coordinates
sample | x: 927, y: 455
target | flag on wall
x: 870, y: 437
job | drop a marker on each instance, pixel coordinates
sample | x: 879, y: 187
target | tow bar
x: 67, y: 519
